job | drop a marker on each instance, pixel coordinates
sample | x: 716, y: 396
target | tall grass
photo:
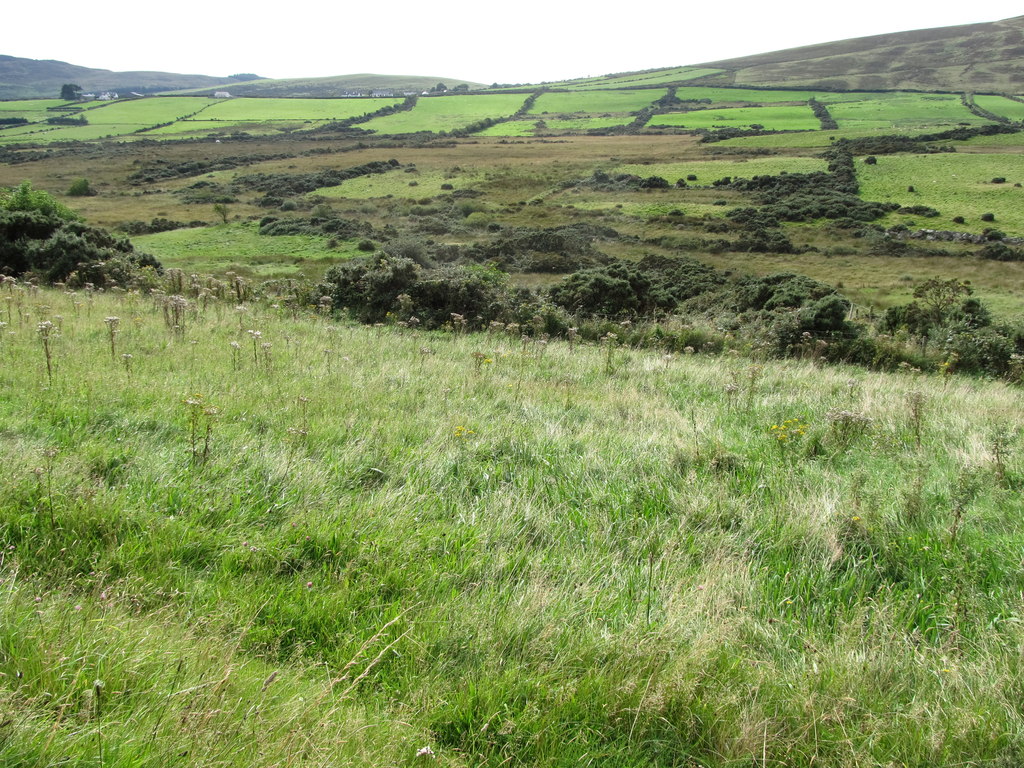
x: 355, y: 544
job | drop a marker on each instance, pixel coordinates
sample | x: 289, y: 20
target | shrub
x: 988, y: 217
x: 81, y: 188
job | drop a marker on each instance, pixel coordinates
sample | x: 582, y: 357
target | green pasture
x: 398, y: 183
x: 145, y: 112
x: 255, y: 110
x: 239, y: 247
x: 595, y: 102
x: 903, y: 112
x: 742, y: 95
x: 32, y: 105
x: 583, y: 124
x: 1000, y: 105
x: 511, y: 128
x: 446, y: 113
x: 642, y: 79
x: 778, y: 118
x: 49, y: 134
x: 185, y: 128
x: 245, y: 536
x: 999, y: 142
x: 636, y: 79
x: 708, y: 171
x: 528, y: 127
x: 954, y: 184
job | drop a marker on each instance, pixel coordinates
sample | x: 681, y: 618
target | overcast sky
x: 511, y: 42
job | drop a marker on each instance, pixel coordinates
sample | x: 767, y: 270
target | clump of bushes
x: 43, y: 238
x: 81, y: 188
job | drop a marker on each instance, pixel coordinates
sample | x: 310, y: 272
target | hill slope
x: 975, y: 57
x: 32, y: 78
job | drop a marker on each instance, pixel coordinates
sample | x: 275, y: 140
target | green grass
x: 708, y: 171
x: 773, y: 118
x: 31, y: 105
x: 734, y: 95
x: 549, y: 557
x: 510, y: 128
x: 49, y: 134
x: 240, y: 248
x: 1000, y: 105
x: 954, y: 184
x: 636, y: 79
x: 446, y: 113
x: 596, y: 102
x: 905, y: 112
x: 145, y: 112
x: 256, y: 110
x: 419, y: 184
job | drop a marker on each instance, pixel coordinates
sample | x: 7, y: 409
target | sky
x: 523, y: 42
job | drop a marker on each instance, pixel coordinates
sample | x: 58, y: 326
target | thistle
x: 46, y: 332
x: 112, y: 324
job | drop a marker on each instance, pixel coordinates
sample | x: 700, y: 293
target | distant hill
x: 970, y: 57
x: 341, y: 85
x: 33, y: 79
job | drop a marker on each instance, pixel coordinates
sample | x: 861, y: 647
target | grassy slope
x: 530, y: 559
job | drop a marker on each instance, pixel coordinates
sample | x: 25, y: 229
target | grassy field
x: 1000, y: 105
x: 239, y: 248
x: 263, y: 540
x: 954, y: 184
x: 708, y: 171
x: 598, y: 102
x: 257, y: 110
x: 146, y: 112
x: 445, y: 113
x: 418, y: 184
x: 636, y: 79
x: 775, y: 118
x: 906, y: 112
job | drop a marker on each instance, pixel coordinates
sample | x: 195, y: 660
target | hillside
x: 34, y: 79
x: 986, y: 57
x: 374, y: 546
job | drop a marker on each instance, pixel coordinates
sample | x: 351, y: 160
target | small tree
x: 70, y: 92
x: 938, y: 298
x: 222, y: 210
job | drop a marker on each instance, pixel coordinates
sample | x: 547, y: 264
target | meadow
x: 636, y: 79
x: 258, y: 110
x: 237, y: 528
x: 239, y: 248
x: 904, y: 112
x: 446, y: 113
x: 1000, y: 105
x: 237, y: 534
x: 957, y: 184
x: 777, y: 118
x: 708, y: 171
x: 595, y: 103
x: 398, y: 183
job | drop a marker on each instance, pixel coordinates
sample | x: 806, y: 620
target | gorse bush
x: 41, y: 237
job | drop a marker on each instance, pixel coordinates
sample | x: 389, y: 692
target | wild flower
x: 789, y: 431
